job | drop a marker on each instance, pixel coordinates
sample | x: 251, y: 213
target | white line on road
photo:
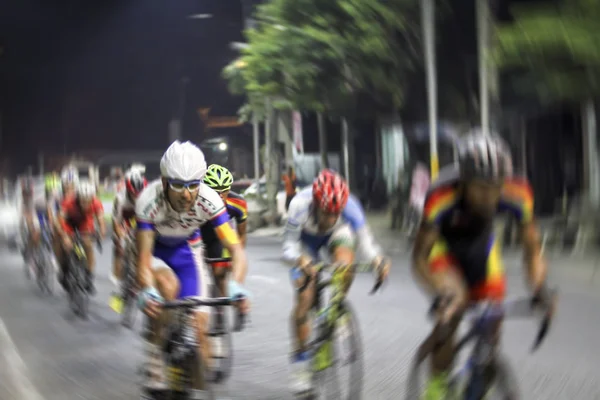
x: 263, y: 278
x: 15, y: 367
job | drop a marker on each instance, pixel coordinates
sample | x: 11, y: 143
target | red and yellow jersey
x: 445, y: 197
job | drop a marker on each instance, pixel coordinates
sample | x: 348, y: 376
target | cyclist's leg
x: 166, y: 282
x: 443, y: 263
x: 88, y: 241
x: 195, y: 279
x: 341, y: 247
x: 118, y: 254
x: 300, y: 320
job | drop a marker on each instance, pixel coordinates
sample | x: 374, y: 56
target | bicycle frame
x: 327, y: 315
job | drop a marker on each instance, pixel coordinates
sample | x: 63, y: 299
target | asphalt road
x: 48, y: 354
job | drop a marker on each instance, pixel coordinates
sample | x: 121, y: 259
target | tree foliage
x: 322, y: 55
x: 555, y: 50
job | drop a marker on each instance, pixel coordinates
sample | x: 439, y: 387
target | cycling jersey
x: 301, y: 230
x: 178, y: 240
x: 237, y: 209
x: 124, y: 208
x: 73, y: 217
x: 467, y: 242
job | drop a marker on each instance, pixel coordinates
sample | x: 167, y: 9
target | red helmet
x: 330, y: 192
x: 135, y: 183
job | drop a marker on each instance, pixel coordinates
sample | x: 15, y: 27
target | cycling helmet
x: 330, y: 192
x: 218, y: 178
x: 135, y: 182
x: 183, y: 162
x: 52, y: 183
x: 86, y: 190
x: 69, y: 176
x: 484, y: 157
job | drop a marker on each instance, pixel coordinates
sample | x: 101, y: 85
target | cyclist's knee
x: 167, y: 283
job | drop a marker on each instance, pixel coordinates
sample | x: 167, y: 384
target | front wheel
x: 338, y: 360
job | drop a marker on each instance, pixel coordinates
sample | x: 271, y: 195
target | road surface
x: 48, y: 355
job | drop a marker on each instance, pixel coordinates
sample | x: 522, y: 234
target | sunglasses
x: 179, y: 187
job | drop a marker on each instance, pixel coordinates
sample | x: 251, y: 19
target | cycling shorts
x: 217, y: 250
x: 186, y: 260
x: 479, y: 263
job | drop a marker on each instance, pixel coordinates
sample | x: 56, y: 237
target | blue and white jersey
x: 153, y: 212
x: 302, y: 229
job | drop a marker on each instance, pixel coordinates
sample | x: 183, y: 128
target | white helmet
x: 69, y: 175
x: 184, y: 162
x: 86, y: 190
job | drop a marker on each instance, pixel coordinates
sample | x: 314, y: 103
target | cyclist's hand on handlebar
x: 305, y: 263
x: 240, y: 295
x: 149, y: 301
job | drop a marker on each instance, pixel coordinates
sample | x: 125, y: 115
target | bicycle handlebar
x: 518, y: 308
x: 323, y: 266
x: 193, y: 302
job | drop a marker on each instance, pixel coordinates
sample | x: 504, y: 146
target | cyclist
x: 80, y: 212
x: 69, y: 178
x: 123, y: 211
x: 29, y: 226
x: 456, y: 254
x: 324, y: 217
x: 220, y: 179
x: 170, y: 213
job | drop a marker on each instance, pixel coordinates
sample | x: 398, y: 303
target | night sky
x: 106, y: 74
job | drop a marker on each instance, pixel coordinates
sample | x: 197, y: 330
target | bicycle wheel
x: 221, y: 347
x: 338, y: 360
x: 78, y: 289
x: 501, y: 381
x: 128, y: 297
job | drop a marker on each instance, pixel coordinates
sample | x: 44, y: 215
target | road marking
x: 15, y: 367
x: 262, y: 278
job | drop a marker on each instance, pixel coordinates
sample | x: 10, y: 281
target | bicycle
x: 331, y: 317
x: 77, y: 276
x: 124, y: 303
x: 220, y: 335
x: 486, y: 374
x: 43, y: 259
x: 184, y: 364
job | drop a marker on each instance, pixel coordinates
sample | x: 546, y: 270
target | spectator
x: 289, y: 181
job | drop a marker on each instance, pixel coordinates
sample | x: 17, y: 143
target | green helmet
x: 52, y: 182
x: 218, y: 178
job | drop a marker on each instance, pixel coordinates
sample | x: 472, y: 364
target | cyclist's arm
x: 424, y: 242
x: 117, y: 218
x: 242, y: 219
x: 231, y: 241
x: 241, y: 230
x: 367, y: 245
x: 292, y: 245
x: 99, y: 213
x: 145, y: 246
x: 534, y: 260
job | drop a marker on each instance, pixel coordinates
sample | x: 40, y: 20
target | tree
x: 323, y: 56
x: 553, y: 52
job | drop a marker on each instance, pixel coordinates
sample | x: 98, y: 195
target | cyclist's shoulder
x: 208, y: 201
x: 517, y: 187
x: 300, y: 205
x: 150, y: 200
x: 236, y: 198
x: 354, y: 212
